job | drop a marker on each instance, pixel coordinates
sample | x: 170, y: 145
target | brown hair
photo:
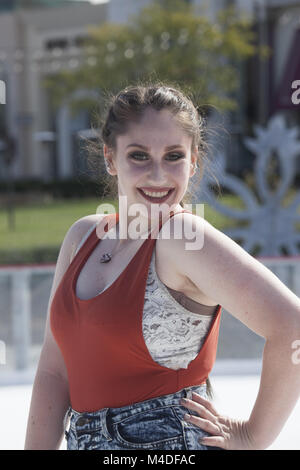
x: 128, y: 106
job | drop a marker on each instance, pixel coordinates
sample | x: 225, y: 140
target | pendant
x: 105, y: 258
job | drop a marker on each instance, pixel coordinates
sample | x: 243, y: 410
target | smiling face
x: 153, y: 161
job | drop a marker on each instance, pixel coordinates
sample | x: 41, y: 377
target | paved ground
x: 234, y: 396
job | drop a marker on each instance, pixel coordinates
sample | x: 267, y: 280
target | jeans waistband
x: 94, y: 420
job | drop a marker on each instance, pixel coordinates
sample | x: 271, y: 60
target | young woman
x: 132, y: 327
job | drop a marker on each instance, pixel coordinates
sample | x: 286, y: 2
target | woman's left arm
x: 249, y: 291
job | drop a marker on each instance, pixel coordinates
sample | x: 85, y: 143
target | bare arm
x: 50, y: 394
x: 249, y: 291
x: 49, y: 403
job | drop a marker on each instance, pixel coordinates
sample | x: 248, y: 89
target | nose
x: 157, y: 175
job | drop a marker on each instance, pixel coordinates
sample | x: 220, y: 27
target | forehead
x: 155, y: 127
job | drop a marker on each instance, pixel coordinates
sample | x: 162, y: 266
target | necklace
x: 106, y: 257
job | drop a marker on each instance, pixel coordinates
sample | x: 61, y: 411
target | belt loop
x: 104, y: 429
x: 188, y: 393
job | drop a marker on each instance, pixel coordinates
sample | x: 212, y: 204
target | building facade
x: 30, y: 40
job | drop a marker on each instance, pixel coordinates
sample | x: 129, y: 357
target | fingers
x: 203, y: 401
x: 214, y: 441
x: 204, y: 424
x: 201, y: 409
x: 208, y: 420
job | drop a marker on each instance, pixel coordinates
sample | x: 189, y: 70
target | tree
x: 166, y: 41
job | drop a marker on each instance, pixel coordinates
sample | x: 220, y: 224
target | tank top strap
x: 161, y: 222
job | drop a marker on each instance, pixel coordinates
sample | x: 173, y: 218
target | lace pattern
x: 173, y: 334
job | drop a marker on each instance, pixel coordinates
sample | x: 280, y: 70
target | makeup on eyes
x: 132, y: 155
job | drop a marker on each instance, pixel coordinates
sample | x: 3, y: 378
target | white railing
x: 20, y: 311
x: 287, y: 269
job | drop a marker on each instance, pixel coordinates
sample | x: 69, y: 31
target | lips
x: 155, y: 190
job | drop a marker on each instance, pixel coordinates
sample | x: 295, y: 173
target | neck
x: 139, y: 226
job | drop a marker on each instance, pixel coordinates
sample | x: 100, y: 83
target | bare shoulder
x: 191, y: 234
x: 212, y: 253
x: 78, y: 230
x: 184, y: 235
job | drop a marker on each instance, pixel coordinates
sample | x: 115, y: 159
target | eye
x: 176, y: 155
x: 140, y: 156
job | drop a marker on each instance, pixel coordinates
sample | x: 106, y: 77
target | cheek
x: 134, y: 174
x: 180, y: 172
x: 130, y: 175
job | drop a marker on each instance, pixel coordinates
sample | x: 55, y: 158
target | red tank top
x: 102, y: 343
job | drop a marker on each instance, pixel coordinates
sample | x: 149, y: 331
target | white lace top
x: 172, y: 334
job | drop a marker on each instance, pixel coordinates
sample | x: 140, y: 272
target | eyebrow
x: 170, y: 147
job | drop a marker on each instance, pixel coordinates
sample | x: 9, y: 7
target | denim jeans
x: 155, y: 424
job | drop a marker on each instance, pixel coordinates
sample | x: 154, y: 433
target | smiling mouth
x: 155, y: 196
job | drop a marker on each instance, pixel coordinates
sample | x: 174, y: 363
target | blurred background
x: 59, y: 60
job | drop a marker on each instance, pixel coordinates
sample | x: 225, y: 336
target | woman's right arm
x: 50, y: 393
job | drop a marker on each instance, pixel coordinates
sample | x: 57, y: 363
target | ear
x: 109, y: 162
x: 193, y: 162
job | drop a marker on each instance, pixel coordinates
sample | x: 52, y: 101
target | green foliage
x: 166, y: 41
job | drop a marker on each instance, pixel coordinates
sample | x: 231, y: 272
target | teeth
x: 155, y: 194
